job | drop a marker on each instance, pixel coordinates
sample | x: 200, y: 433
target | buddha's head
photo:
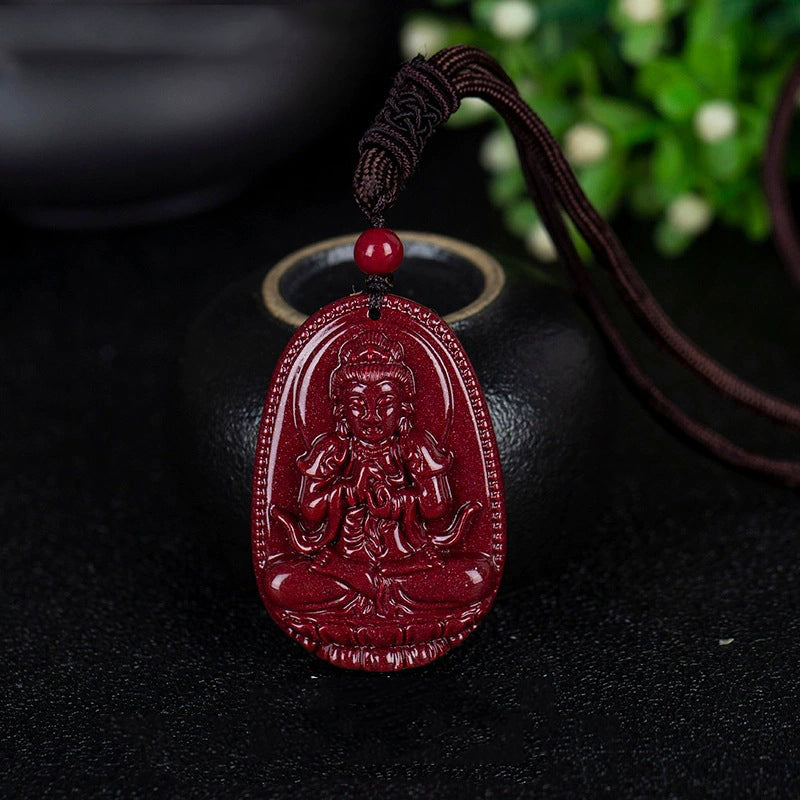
x: 372, y: 389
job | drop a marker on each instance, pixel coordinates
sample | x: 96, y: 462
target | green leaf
x: 646, y: 198
x: 756, y: 214
x: 651, y: 77
x: 482, y: 11
x: 627, y: 123
x: 672, y: 89
x: 573, y: 13
x: 754, y: 127
x: 587, y: 72
x: 521, y: 217
x: 715, y: 63
x: 461, y: 33
x: 673, y: 7
x: 678, y: 99
x: 669, y: 165
x: 704, y: 20
x: 669, y: 241
x: 726, y: 159
x: 734, y: 10
x: 506, y: 186
x: 603, y: 184
x: 520, y: 59
x: 767, y: 86
x: 550, y: 42
x: 728, y: 201
x: 557, y: 114
x: 643, y: 43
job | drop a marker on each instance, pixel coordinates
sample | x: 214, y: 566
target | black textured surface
x: 135, y: 665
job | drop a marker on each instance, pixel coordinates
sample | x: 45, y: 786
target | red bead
x: 378, y: 251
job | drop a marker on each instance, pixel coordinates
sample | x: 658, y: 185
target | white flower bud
x: 715, y: 120
x: 642, y: 11
x: 540, y: 244
x: 422, y: 35
x: 498, y: 153
x: 513, y: 19
x: 586, y: 143
x: 689, y: 214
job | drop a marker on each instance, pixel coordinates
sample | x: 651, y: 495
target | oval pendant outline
x: 444, y: 337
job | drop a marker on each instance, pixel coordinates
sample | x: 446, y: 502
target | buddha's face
x: 373, y: 410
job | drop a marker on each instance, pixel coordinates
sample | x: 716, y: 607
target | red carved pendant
x: 378, y: 514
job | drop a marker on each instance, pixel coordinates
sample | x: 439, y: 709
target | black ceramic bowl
x: 124, y: 113
x: 545, y: 378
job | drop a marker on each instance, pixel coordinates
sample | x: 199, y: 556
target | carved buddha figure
x: 376, y: 518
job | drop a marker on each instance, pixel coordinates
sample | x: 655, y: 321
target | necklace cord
x: 784, y: 229
x: 425, y: 93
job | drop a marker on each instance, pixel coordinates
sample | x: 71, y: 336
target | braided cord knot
x: 421, y: 99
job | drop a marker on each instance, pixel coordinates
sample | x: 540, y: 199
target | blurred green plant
x: 661, y: 106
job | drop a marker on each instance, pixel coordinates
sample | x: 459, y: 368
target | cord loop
x: 424, y: 95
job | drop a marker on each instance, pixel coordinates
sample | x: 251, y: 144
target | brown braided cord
x: 418, y: 103
x: 775, y: 189
x: 387, y: 161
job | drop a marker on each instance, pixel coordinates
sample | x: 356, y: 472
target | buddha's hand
x: 389, y: 503
x: 365, y: 476
x: 349, y: 492
x: 381, y: 504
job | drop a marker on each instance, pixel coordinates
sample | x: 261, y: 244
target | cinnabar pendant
x: 378, y: 513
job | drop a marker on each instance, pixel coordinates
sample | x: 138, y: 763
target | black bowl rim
x: 489, y: 268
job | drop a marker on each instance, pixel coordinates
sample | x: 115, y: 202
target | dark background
x: 136, y: 664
